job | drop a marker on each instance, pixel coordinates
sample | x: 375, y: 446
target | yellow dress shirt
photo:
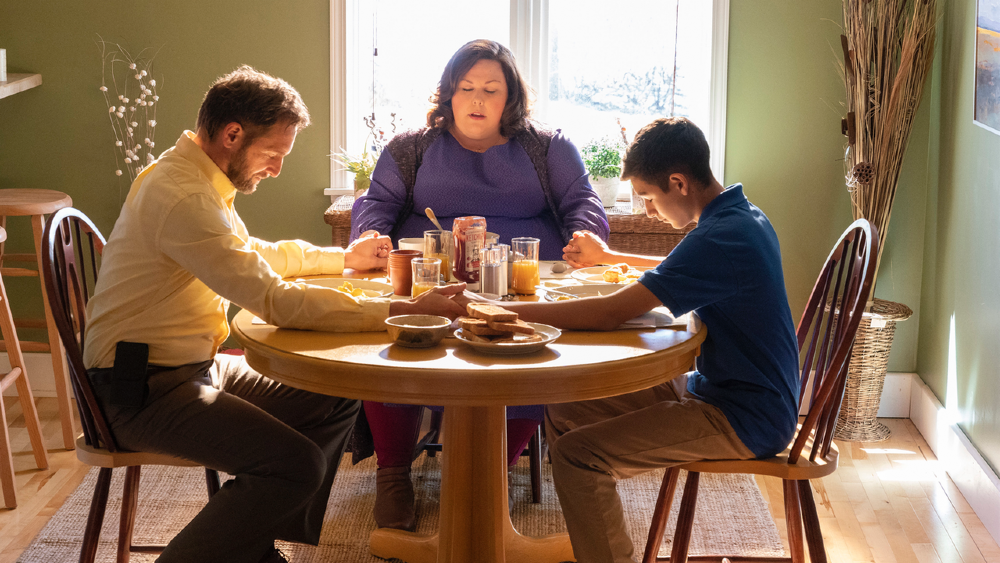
x: 179, y: 253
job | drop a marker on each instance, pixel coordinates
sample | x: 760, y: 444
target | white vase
x: 607, y: 189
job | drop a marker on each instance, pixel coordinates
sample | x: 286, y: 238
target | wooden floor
x: 888, y: 502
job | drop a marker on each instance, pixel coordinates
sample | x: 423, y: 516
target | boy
x: 741, y: 401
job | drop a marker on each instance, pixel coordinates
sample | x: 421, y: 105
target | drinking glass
x: 426, y: 274
x: 439, y: 244
x: 525, y: 264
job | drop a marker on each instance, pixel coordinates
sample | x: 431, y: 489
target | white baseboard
x: 964, y: 464
x: 38, y: 367
x: 895, y: 401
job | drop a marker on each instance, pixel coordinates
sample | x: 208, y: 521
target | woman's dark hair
x: 517, y: 109
x: 668, y: 145
x: 253, y: 99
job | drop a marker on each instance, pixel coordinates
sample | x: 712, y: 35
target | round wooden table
x: 474, y: 524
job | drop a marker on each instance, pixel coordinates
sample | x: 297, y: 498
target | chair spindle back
x: 826, y: 334
x: 71, y: 250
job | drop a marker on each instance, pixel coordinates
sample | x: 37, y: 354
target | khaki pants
x: 593, y: 443
x: 282, y: 444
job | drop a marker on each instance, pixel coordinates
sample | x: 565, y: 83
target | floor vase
x: 866, y: 373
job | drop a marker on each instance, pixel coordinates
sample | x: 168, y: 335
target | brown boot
x: 394, y: 507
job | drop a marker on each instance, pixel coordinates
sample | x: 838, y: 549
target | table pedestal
x: 475, y: 524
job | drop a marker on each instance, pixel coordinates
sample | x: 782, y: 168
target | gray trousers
x: 593, y: 443
x: 282, y: 444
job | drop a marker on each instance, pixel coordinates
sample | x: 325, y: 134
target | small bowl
x: 417, y: 331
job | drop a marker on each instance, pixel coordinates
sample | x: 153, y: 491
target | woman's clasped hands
x: 585, y: 249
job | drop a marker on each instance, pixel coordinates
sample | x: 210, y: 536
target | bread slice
x: 474, y: 338
x: 479, y: 327
x: 517, y: 325
x: 490, y: 312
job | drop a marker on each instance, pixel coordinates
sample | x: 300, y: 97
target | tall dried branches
x: 888, y: 52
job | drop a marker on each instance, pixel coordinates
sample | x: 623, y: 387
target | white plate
x: 588, y: 290
x: 370, y: 288
x: 595, y: 274
x: 548, y: 334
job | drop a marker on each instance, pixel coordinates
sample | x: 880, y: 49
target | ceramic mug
x: 400, y: 274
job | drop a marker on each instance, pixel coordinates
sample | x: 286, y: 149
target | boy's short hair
x: 253, y: 99
x: 668, y: 145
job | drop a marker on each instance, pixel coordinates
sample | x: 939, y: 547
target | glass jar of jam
x: 469, y: 233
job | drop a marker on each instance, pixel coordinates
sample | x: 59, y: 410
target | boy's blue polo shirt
x: 728, y: 270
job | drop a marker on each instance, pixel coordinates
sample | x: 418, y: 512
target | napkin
x: 659, y: 317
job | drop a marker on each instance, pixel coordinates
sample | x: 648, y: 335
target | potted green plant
x: 603, y: 161
x: 361, y: 166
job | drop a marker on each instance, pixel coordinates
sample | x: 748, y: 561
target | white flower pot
x: 607, y: 189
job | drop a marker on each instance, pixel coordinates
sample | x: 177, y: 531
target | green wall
x: 962, y: 242
x: 57, y: 136
x: 783, y: 140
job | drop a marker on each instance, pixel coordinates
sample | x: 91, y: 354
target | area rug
x: 732, y: 516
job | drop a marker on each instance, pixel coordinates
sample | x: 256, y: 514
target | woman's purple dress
x: 500, y: 184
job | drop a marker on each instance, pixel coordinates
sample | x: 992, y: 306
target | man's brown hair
x: 255, y: 100
x: 517, y: 109
x: 668, y: 145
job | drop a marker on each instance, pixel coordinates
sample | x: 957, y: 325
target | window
x: 590, y: 66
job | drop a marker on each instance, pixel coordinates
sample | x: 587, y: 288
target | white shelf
x: 18, y: 83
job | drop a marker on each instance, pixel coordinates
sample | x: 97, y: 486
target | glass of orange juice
x: 525, y: 264
x: 426, y: 274
x: 439, y: 244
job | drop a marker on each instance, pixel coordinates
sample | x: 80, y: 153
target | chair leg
x: 20, y: 380
x: 434, y: 434
x: 130, y: 502
x: 6, y: 462
x: 810, y: 520
x: 212, y: 481
x: 661, y: 512
x: 535, y: 464
x: 793, y: 521
x: 92, y: 533
x: 685, y: 519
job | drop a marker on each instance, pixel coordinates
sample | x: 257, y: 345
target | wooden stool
x: 18, y: 377
x: 37, y: 204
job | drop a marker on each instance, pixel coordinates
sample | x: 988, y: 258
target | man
x: 741, y: 401
x: 177, y: 256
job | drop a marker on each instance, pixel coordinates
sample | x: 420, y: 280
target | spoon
x: 430, y: 215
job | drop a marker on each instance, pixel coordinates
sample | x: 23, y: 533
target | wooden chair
x: 71, y: 248
x: 825, y: 335
x: 16, y: 376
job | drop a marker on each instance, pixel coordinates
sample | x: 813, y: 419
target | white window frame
x: 528, y: 39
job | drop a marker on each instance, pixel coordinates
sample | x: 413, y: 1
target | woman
x: 479, y: 155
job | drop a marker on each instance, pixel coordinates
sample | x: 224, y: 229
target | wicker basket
x: 866, y: 373
x: 632, y: 234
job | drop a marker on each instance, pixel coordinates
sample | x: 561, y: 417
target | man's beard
x: 239, y: 174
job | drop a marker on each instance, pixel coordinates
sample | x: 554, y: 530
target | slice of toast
x: 474, y: 337
x: 479, y: 327
x: 516, y: 325
x: 490, y: 312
